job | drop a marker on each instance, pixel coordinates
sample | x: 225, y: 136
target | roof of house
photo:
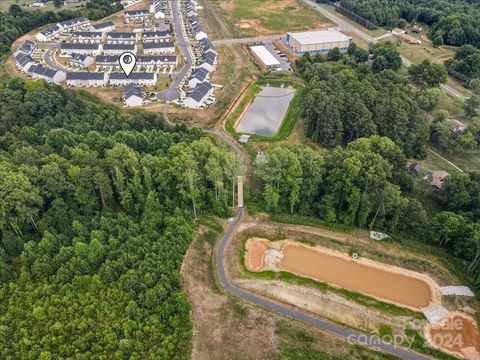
x: 121, y: 35
x: 201, y: 90
x: 209, y: 58
x: 73, y: 22
x: 438, y: 177
x: 153, y: 34
x: 321, y: 36
x: 27, y: 46
x: 106, y: 59
x: 103, y: 25
x: 156, y: 58
x: 132, y: 76
x: 51, y: 30
x: 137, y: 12
x: 42, y: 70
x: 414, y: 168
x: 159, y: 45
x: 119, y: 46
x: 88, y: 34
x: 78, y: 57
x: 75, y: 46
x: 23, y: 59
x: 83, y: 75
x: 133, y: 90
x: 200, y: 74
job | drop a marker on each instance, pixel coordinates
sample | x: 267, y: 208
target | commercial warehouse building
x: 318, y: 42
x: 265, y: 57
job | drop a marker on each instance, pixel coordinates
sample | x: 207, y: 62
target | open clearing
x: 457, y: 334
x: 265, y: 115
x: 395, y: 285
x: 260, y: 17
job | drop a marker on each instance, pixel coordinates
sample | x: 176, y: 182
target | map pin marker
x: 127, y: 62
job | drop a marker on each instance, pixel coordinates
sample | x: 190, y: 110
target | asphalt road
x: 350, y: 27
x: 48, y: 57
x: 172, y: 93
x: 320, y: 324
x: 250, y: 40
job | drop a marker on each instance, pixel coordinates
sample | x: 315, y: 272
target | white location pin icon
x: 127, y: 62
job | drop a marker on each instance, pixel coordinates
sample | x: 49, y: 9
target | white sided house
x: 41, y: 72
x: 86, y: 79
x: 155, y: 48
x: 77, y: 48
x: 49, y: 33
x: 85, y: 37
x: 158, y: 9
x: 122, y: 37
x: 208, y: 61
x: 140, y: 78
x: 107, y: 61
x: 157, y: 61
x: 74, y: 24
x: 118, y: 49
x: 23, y: 61
x: 104, y: 26
x: 156, y: 36
x: 80, y: 60
x: 133, y: 95
x: 136, y: 16
x: 199, y: 76
x: 196, y: 99
x: 27, y: 47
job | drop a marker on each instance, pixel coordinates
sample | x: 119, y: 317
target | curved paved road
x: 320, y: 324
x: 284, y: 310
x: 171, y: 93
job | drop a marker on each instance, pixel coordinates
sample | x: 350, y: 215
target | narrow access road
x: 250, y: 40
x: 281, y: 309
x: 350, y: 27
x: 172, y: 93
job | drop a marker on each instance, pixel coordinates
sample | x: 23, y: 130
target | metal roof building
x: 265, y: 56
x: 318, y: 42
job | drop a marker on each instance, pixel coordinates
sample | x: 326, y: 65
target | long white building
x: 86, y: 79
x: 140, y: 78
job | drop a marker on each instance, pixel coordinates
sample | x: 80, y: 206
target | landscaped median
x: 249, y: 96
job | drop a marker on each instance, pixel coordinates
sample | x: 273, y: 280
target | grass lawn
x: 256, y: 17
x: 5, y: 4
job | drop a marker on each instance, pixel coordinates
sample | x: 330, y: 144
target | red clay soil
x: 458, y: 334
x: 256, y: 255
x: 352, y: 275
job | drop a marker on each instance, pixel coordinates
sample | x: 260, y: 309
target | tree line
x: 366, y: 184
x: 352, y: 99
x: 96, y: 214
x: 455, y: 22
x: 17, y: 22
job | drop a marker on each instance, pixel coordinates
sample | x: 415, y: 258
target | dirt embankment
x: 224, y: 328
x: 387, y: 283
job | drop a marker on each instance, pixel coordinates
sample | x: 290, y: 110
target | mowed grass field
x: 5, y: 5
x: 258, y: 17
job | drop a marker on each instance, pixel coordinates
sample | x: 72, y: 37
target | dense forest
x: 17, y: 21
x: 344, y: 102
x: 457, y: 22
x: 366, y: 184
x: 96, y: 214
